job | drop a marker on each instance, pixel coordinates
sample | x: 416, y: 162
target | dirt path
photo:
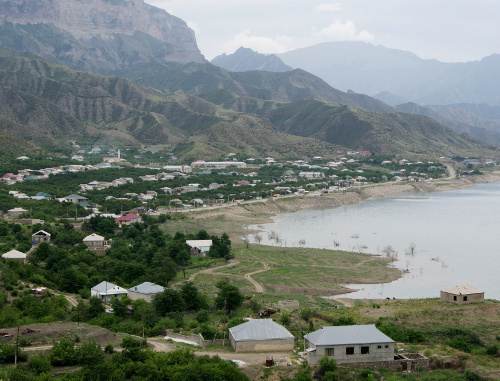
x: 345, y: 302
x: 257, y: 285
x: 232, y: 262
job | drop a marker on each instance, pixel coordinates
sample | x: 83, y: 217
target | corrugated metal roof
x: 199, y: 242
x: 14, y: 254
x: 348, y: 334
x: 463, y: 290
x: 93, y: 238
x: 260, y: 329
x: 106, y: 288
x: 147, y: 288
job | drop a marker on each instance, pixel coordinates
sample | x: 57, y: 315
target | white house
x: 15, y: 255
x: 105, y: 291
x: 349, y: 344
x: 202, y: 245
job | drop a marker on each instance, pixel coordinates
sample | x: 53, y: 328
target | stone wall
x: 413, y: 362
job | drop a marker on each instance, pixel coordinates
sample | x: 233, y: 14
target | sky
x: 446, y: 30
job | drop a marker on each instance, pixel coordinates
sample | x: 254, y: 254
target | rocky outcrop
x: 96, y: 35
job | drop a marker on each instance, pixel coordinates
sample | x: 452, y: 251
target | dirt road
x: 257, y: 285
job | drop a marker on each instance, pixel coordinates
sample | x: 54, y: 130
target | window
x: 379, y: 346
x: 465, y: 298
x: 349, y: 351
x: 454, y: 297
x: 329, y: 351
x: 387, y: 346
x: 365, y: 350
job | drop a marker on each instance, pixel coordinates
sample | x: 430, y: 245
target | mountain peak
x: 246, y: 59
x: 81, y: 32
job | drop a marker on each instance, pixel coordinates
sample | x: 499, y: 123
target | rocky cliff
x: 97, y: 35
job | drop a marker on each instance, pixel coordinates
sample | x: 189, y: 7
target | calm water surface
x: 456, y: 236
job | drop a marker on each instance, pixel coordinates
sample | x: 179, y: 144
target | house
x: 95, y: 242
x: 76, y: 199
x: 128, y: 219
x: 40, y: 236
x: 464, y: 294
x: 202, y: 246
x: 16, y: 212
x: 349, y: 344
x: 261, y: 335
x: 105, y: 291
x: 146, y: 291
x: 15, y: 255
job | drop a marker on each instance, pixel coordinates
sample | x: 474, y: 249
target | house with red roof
x: 128, y: 219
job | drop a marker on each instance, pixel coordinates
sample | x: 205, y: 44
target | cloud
x: 328, y: 7
x: 339, y: 31
x: 261, y: 44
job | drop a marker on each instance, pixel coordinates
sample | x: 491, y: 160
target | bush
x: 492, y: 350
x: 306, y: 314
x: 327, y: 364
x: 471, y: 376
x: 39, y: 364
x: 202, y: 316
x: 109, y: 349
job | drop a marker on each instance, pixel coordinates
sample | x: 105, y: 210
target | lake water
x: 456, y: 236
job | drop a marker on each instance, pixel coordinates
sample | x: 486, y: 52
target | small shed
x: 200, y: 245
x: 15, y: 255
x: 105, y: 291
x: 146, y: 291
x: 261, y: 335
x: 40, y: 236
x: 464, y: 294
x: 128, y: 219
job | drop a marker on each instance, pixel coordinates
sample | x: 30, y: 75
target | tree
x: 229, y: 296
x: 96, y: 307
x: 169, y: 301
x: 89, y: 354
x: 192, y: 297
x: 63, y: 353
x: 119, y: 306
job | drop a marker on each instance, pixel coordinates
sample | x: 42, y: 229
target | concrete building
x: 218, y: 164
x: 40, y: 236
x: 464, y: 294
x: 15, y: 212
x: 146, y: 291
x: 106, y: 291
x: 15, y: 255
x: 349, y: 344
x: 202, y: 246
x: 95, y: 241
x: 261, y: 335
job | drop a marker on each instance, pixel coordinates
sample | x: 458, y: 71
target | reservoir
x: 455, y: 237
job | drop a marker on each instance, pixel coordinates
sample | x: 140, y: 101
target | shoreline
x: 236, y: 219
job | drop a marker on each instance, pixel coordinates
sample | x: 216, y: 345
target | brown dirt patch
x: 50, y: 332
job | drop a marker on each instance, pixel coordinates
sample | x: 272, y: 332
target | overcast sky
x: 447, y: 30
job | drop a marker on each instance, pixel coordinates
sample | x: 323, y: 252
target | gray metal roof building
x: 260, y: 329
x: 147, y: 288
x: 261, y: 335
x: 349, y: 334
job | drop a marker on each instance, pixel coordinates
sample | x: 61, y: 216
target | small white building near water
x: 464, y: 294
x: 202, y: 245
x: 105, y: 291
x: 261, y: 335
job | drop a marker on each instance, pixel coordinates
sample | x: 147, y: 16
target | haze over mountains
x: 179, y: 100
x: 456, y: 95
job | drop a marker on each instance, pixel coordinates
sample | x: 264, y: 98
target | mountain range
x: 395, y: 77
x: 159, y: 90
